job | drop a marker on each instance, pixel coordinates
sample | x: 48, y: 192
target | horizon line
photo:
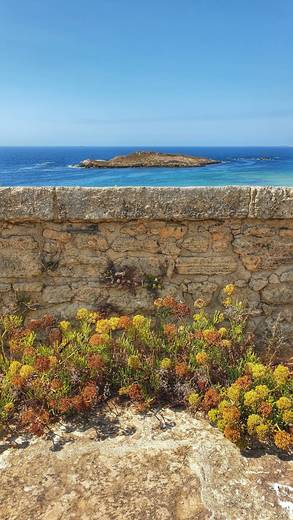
x: 146, y: 146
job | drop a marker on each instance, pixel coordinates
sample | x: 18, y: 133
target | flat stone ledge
x: 152, y: 203
x: 121, y: 204
x: 26, y: 204
x: 270, y: 203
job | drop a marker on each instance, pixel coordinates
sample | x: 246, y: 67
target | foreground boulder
x: 148, y: 160
x: 124, y: 466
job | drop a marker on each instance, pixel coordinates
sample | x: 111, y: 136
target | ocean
x: 54, y: 166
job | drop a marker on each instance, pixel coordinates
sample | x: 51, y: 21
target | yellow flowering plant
x: 229, y: 289
x: 204, y: 361
x: 165, y: 363
x: 193, y: 399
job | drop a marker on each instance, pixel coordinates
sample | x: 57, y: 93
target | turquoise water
x: 52, y: 166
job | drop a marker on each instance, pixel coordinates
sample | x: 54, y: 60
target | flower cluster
x: 204, y: 362
x: 261, y: 412
x: 172, y: 306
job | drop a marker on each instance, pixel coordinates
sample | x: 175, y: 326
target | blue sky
x: 152, y: 72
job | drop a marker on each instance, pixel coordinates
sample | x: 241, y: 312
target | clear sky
x: 146, y: 72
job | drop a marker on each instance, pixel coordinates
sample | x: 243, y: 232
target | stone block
x: 221, y: 237
x: 204, y: 290
x: 57, y: 294
x: 172, y: 231
x: 124, y: 244
x: 28, y: 287
x: 141, y: 301
x: 53, y: 234
x: 198, y: 243
x: 257, y: 284
x: 206, y: 265
x: 5, y: 287
x: 287, y: 276
x: 267, y: 202
x: 278, y: 294
x: 19, y: 257
x: 25, y: 204
x: 84, y: 266
x: 94, y: 242
x: 104, y: 204
x: 89, y: 294
x: 263, y: 253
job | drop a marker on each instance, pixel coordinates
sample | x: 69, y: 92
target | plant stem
x: 2, y: 346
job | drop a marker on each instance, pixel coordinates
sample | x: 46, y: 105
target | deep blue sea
x: 53, y: 166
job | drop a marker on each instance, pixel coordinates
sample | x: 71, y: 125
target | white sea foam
x: 36, y: 166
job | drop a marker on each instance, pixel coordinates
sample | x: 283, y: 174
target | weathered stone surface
x: 24, y: 204
x: 90, y: 204
x: 204, y: 290
x: 89, y: 294
x: 269, y: 202
x: 206, y: 265
x: 264, y: 252
x: 172, y: 231
x: 278, y: 293
x: 12, y: 229
x: 287, y: 276
x: 19, y: 257
x: 52, y: 234
x: 125, y: 466
x: 274, y: 278
x: 134, y: 229
x: 4, y: 287
x: 132, y: 244
x: 198, y: 243
x: 91, y: 242
x: 141, y: 301
x: 102, y: 204
x: 90, y: 266
x: 221, y: 238
x: 249, y: 297
x: 27, y: 287
x: 257, y: 283
x: 57, y: 294
x: 280, y: 319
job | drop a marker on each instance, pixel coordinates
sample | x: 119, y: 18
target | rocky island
x: 148, y: 160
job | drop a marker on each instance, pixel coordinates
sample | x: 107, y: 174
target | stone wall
x: 59, y: 248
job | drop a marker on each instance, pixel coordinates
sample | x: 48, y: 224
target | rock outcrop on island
x: 148, y: 160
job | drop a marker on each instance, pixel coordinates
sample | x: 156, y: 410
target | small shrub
x: 152, y: 283
x: 122, y: 278
x: 204, y: 362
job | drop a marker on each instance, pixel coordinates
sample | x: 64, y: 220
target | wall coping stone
x: 121, y: 204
